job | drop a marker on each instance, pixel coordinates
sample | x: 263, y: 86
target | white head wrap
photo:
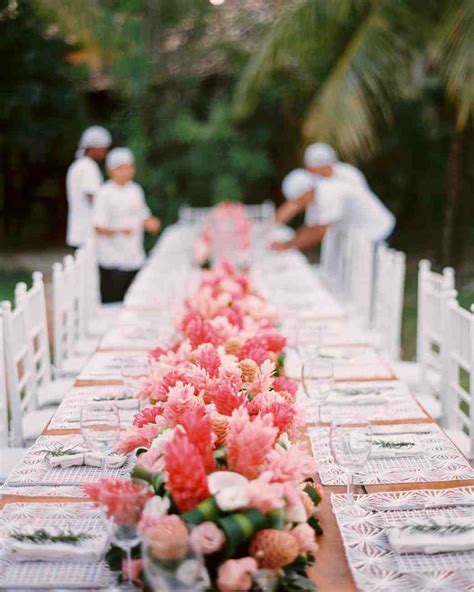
x: 319, y: 154
x: 118, y: 157
x: 296, y: 183
x: 94, y: 137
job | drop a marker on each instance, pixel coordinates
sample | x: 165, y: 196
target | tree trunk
x: 453, y: 196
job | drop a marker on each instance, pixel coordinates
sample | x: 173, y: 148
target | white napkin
x: 378, y: 451
x: 85, y: 550
x: 393, y: 430
x: 362, y: 399
x: 91, y: 459
x: 67, y: 460
x: 405, y: 540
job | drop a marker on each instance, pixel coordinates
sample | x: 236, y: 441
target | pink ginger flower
x: 222, y: 393
x: 151, y: 390
x: 180, y: 398
x: 207, y: 538
x: 158, y: 352
x: 249, y: 442
x: 264, y: 495
x: 151, y: 460
x: 131, y: 440
x: 208, y: 358
x: 275, y: 342
x: 147, y: 415
x: 292, y: 464
x: 282, y: 383
x: 236, y: 574
x: 123, y: 499
x: 197, y: 426
x: 263, y: 379
x: 255, y: 349
x: 186, y: 474
x: 305, y: 536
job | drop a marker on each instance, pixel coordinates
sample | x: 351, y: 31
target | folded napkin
x: 361, y: 399
x: 128, y: 403
x: 83, y: 457
x: 433, y: 535
x: 395, y: 446
x: 52, y: 544
x: 401, y: 429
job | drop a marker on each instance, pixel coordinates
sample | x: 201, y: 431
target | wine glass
x: 121, y: 524
x: 318, y: 379
x: 100, y: 428
x: 181, y: 571
x: 350, y: 440
x: 135, y: 370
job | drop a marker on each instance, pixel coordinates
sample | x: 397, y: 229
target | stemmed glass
x: 121, y: 524
x: 184, y: 571
x: 100, y: 428
x: 318, y: 379
x: 350, y: 440
x: 135, y: 370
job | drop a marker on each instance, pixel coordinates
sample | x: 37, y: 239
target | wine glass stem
x: 319, y: 414
x: 103, y: 465
x: 128, y: 551
x: 350, y: 484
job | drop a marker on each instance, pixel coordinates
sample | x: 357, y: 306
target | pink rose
x: 207, y: 538
x: 305, y: 536
x: 236, y: 574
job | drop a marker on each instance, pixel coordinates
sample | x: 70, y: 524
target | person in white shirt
x: 83, y: 180
x: 341, y: 198
x: 298, y: 190
x: 120, y: 218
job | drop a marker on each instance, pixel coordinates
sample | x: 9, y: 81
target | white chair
x: 458, y: 395
x: 9, y: 456
x: 66, y: 325
x: 425, y: 375
x: 331, y: 257
x: 48, y: 391
x: 387, y: 311
x: 27, y: 422
x: 359, y: 274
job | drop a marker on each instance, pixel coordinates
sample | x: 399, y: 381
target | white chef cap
x: 94, y: 137
x: 319, y: 154
x: 118, y: 157
x: 296, y: 183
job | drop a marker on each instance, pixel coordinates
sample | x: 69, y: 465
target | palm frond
x: 304, y: 27
x: 367, y: 78
x: 455, y: 41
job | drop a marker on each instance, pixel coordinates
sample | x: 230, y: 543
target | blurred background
x: 218, y: 98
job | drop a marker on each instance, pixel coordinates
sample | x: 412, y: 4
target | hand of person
x: 125, y: 231
x: 152, y: 225
x: 280, y: 246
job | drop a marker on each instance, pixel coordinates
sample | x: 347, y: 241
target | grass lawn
x: 8, y: 281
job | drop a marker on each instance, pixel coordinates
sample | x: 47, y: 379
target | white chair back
x: 434, y: 290
x: 66, y: 310
x: 90, y: 283
x: 389, y: 287
x: 34, y: 303
x: 359, y: 272
x: 458, y: 395
x: 4, y: 429
x: 19, y: 367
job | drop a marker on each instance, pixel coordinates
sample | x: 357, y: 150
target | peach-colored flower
x: 236, y: 574
x: 168, y: 539
x: 207, y: 538
x: 305, y: 536
x: 264, y: 495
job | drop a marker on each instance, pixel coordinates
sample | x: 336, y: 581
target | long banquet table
x: 149, y: 294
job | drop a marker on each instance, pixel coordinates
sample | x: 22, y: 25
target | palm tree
x: 367, y: 54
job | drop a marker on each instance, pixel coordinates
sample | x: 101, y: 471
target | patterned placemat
x: 374, y: 401
x: 34, y: 468
x: 376, y: 567
x: 105, y: 365
x: 440, y: 459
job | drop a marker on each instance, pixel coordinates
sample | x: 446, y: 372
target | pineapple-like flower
x: 249, y: 368
x: 274, y: 548
x: 220, y: 427
x: 232, y: 346
x: 168, y: 539
x: 289, y: 398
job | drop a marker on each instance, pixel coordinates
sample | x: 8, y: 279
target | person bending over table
x: 120, y: 218
x: 329, y: 198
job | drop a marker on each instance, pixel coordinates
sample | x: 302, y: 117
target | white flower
x: 156, y: 507
x: 232, y: 498
x: 159, y: 442
x: 223, y: 479
x: 296, y: 513
x: 191, y: 573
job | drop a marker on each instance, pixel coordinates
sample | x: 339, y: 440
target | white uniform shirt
x: 349, y: 206
x: 83, y: 178
x: 350, y: 174
x: 120, y: 207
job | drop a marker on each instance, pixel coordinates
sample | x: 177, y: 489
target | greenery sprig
x: 41, y: 537
x: 395, y: 445
x: 62, y: 451
x: 435, y: 527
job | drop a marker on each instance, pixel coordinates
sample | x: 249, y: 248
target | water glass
x: 100, y: 428
x: 350, y: 440
x: 135, y: 371
x: 318, y: 379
